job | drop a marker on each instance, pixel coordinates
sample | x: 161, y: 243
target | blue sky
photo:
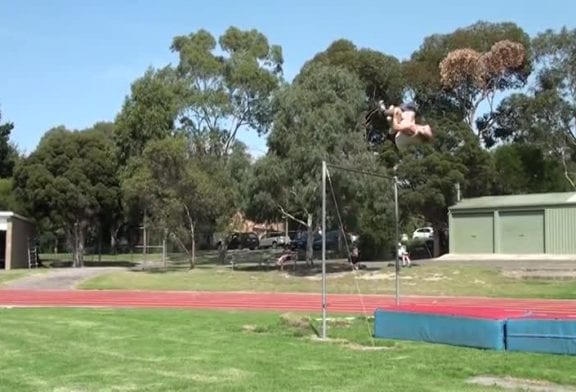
x: 72, y: 62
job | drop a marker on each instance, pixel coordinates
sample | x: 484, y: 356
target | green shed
x: 540, y: 223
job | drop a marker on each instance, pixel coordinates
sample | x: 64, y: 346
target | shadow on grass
x: 173, y: 267
x: 68, y: 264
x: 302, y: 269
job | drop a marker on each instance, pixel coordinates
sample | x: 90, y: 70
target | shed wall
x: 549, y: 230
x: 22, y: 232
x: 560, y: 229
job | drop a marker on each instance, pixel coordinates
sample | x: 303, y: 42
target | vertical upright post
x: 397, y: 239
x: 458, y: 194
x: 324, y: 304
x: 100, y: 246
x: 164, y: 248
x: 144, y: 241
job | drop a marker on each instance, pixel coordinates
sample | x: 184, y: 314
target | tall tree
x: 69, y: 181
x: 7, y: 151
x: 461, y: 96
x: 526, y: 168
x: 149, y: 113
x: 545, y: 116
x: 113, y: 220
x: 457, y: 156
x: 317, y: 119
x: 179, y: 191
x: 472, y: 78
x: 381, y: 74
x: 229, y: 85
x: 239, y: 169
x: 8, y: 201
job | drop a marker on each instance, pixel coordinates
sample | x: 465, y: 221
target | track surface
x: 337, y: 303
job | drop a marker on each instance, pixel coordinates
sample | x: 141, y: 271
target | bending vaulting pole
x: 324, y: 304
x: 396, y: 242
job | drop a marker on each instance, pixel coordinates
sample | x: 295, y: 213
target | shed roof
x: 528, y: 200
x: 10, y: 214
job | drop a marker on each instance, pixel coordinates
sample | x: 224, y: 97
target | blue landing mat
x: 542, y: 336
x: 447, y: 329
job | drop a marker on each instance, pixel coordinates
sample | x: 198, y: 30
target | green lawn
x: 6, y: 276
x: 429, y: 279
x: 170, y: 350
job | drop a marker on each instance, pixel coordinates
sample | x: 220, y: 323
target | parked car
x: 274, y: 239
x: 332, y: 240
x: 301, y: 239
x: 423, y: 233
x: 335, y: 240
x: 242, y: 240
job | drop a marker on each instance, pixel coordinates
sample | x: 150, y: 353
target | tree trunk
x: 310, y: 242
x: 81, y: 239
x: 193, y: 250
x: 223, y: 248
x: 114, y: 238
x: 77, y: 241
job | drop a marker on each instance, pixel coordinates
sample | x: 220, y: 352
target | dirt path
x: 57, y: 279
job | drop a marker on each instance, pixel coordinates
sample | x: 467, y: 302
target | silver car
x: 274, y: 239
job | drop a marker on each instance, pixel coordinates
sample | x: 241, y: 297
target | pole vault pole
x: 397, y: 239
x: 324, y: 303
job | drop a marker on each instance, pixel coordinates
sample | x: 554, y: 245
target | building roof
x: 528, y: 200
x: 10, y: 214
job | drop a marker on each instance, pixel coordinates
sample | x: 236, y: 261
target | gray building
x: 542, y: 223
x: 16, y: 233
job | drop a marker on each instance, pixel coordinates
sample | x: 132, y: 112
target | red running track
x: 337, y: 303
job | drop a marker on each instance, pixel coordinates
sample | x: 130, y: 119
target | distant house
x: 16, y: 235
x: 241, y: 224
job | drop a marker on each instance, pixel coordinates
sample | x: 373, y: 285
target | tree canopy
x: 70, y: 180
x: 501, y: 104
x: 8, y: 153
x: 226, y: 93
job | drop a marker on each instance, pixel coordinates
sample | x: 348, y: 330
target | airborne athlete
x: 403, y: 128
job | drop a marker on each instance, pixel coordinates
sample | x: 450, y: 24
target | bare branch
x: 568, y: 131
x: 190, y: 220
x: 240, y: 121
x: 288, y: 215
x: 173, y: 235
x: 566, y: 173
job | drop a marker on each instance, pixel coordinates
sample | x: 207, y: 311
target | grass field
x: 168, y: 350
x: 428, y: 279
x: 6, y: 276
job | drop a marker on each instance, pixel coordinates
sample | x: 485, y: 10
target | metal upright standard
x: 324, y: 302
x: 397, y: 264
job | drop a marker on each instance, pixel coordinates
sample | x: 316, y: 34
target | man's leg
x: 425, y: 133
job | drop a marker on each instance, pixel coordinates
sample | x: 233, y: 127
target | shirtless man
x: 404, y: 128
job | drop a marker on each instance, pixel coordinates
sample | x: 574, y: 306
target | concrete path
x: 58, y: 279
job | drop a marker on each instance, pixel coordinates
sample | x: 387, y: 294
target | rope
x: 370, y: 332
